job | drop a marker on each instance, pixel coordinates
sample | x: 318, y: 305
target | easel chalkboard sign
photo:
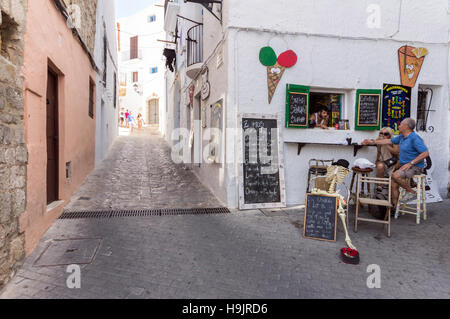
x: 320, y: 217
x: 368, y: 110
x: 297, y: 106
x: 261, y: 173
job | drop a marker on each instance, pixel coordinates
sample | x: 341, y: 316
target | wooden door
x: 153, y: 112
x: 52, y: 138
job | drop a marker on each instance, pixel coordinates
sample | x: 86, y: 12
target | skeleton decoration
x: 336, y: 176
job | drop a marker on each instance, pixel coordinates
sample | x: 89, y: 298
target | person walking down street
x: 122, y: 118
x: 131, y: 121
x: 140, y: 121
x: 412, y: 153
x: 127, y: 114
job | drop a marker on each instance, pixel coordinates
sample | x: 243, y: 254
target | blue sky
x: 125, y: 8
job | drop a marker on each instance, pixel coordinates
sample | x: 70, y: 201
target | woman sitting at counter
x: 387, y: 155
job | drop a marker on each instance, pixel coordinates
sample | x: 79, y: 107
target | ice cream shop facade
x: 368, y: 64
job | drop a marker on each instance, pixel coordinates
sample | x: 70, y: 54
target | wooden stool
x: 421, y: 206
x: 317, y: 168
x: 361, y: 173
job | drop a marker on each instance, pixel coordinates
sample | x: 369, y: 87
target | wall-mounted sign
x: 261, y: 172
x: 396, y: 105
x: 206, y: 87
x: 368, y: 110
x: 410, y: 63
x: 297, y: 106
x: 276, y: 66
x: 216, y: 135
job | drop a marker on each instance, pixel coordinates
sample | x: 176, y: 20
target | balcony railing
x: 126, y: 55
x: 195, y: 45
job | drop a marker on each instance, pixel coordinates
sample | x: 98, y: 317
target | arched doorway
x: 153, y: 111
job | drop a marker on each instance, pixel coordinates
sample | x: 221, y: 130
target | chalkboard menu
x: 368, y: 109
x: 262, y: 177
x: 297, y: 106
x: 320, y: 217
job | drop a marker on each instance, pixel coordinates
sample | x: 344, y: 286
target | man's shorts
x: 410, y: 172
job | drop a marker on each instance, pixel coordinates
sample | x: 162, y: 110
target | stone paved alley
x: 251, y: 254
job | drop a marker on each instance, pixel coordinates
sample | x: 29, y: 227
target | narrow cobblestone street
x: 250, y: 254
x: 139, y: 174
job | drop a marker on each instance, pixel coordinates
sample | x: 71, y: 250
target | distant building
x: 141, y: 67
x: 342, y: 48
x: 107, y: 111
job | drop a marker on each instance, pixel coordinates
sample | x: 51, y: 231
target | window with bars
x: 91, y: 97
x: 424, y: 100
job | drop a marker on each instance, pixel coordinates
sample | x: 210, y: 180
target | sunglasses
x: 385, y: 134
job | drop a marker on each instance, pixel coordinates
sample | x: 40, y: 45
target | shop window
x: 332, y: 102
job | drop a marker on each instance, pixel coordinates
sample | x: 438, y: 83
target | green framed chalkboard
x: 368, y: 110
x: 297, y: 106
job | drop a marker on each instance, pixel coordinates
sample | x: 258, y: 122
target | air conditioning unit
x: 170, y: 20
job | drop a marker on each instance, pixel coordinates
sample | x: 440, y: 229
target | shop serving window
x: 306, y: 109
x: 331, y: 102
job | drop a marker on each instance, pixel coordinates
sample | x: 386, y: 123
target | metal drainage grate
x: 142, y: 213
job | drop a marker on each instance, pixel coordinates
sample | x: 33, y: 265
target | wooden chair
x: 321, y: 183
x: 370, y: 201
x: 316, y: 168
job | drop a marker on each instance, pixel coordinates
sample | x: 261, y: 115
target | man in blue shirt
x: 412, y: 151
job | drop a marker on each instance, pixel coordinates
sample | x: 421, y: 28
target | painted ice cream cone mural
x: 276, y: 66
x: 410, y: 62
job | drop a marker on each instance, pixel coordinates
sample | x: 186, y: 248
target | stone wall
x: 13, y: 151
x: 88, y: 11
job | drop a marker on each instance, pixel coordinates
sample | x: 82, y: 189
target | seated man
x: 412, y: 151
x: 320, y: 118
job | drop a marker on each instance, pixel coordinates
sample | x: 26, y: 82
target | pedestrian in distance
x: 131, y: 121
x: 127, y: 114
x: 140, y: 121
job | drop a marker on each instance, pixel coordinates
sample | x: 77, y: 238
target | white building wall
x: 106, y: 107
x: 338, y: 52
x: 150, y: 85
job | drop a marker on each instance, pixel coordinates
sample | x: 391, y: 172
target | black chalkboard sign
x: 368, y: 106
x: 320, y: 217
x: 261, y: 173
x: 297, y: 106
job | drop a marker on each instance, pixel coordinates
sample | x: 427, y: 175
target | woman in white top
x: 386, y: 154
